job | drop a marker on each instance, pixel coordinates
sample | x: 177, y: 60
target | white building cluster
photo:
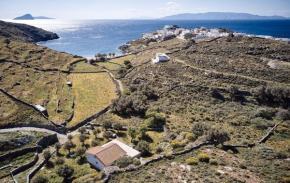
x: 170, y: 31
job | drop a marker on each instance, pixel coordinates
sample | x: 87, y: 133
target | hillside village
x: 170, y: 31
x: 169, y: 110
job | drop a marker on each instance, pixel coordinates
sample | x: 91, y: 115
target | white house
x: 107, y: 154
x: 160, y: 57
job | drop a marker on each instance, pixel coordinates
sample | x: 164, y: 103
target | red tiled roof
x: 107, y: 154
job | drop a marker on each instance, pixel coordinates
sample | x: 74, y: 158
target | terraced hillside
x: 238, y: 85
x: 37, y: 75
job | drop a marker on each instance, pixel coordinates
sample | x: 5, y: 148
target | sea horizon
x: 87, y: 37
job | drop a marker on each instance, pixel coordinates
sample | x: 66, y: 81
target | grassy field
x: 24, y: 75
x: 85, y: 67
x: 109, y: 66
x: 14, y: 113
x: 92, y: 93
x: 122, y: 59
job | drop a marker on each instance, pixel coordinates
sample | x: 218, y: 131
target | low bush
x: 213, y: 162
x: 136, y: 162
x: 158, y: 150
x: 190, y: 137
x: 59, y: 161
x: 124, y: 161
x: 203, y: 158
x: 191, y: 161
x: 46, y: 154
x: 176, y: 144
x: 40, y: 179
x: 286, y: 180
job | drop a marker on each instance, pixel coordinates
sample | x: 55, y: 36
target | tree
x: 69, y: 145
x: 233, y: 90
x: 142, y: 131
x: 59, y: 161
x: 40, y: 179
x: 118, y: 127
x: 82, y: 130
x: 70, y: 137
x: 159, y: 150
x: 113, y: 54
x: 215, y: 93
x: 46, y: 154
x: 82, y: 139
x: 94, y: 143
x: 143, y: 147
x: 107, y: 134
x: 217, y: 136
x: 154, y: 118
x: 124, y: 161
x: 199, y: 128
x: 7, y: 42
x: 126, y: 62
x: 110, y: 54
x: 65, y: 171
x: 259, y: 92
x: 57, y: 147
x: 132, y: 132
x: 107, y: 125
x: 96, y: 132
x: 80, y: 151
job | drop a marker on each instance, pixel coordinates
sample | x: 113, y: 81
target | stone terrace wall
x: 26, y: 166
x: 36, y: 169
x: 19, y: 152
x: 54, y: 127
x: 40, y: 144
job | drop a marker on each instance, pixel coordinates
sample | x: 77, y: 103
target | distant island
x: 30, y: 17
x: 220, y: 16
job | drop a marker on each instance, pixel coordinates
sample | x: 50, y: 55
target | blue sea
x: 88, y: 37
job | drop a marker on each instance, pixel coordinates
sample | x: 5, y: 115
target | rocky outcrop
x: 26, y: 33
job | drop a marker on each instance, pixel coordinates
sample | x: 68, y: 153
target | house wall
x: 95, y: 162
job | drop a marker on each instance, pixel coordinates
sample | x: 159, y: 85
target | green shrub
x: 242, y: 166
x: 203, y: 158
x: 136, y: 162
x: 40, y: 179
x: 213, y: 162
x: 65, y: 171
x: 124, y: 161
x: 176, y: 144
x: 143, y: 147
x: 217, y: 173
x: 59, y: 161
x: 46, y: 154
x: 158, y: 150
x: 191, y: 161
x: 260, y: 123
x: 190, y: 137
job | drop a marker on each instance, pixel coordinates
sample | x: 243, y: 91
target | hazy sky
x: 122, y: 9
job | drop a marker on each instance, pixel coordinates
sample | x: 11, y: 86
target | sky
x: 126, y: 9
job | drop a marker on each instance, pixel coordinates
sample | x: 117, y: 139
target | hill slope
x: 26, y: 33
x: 220, y: 16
